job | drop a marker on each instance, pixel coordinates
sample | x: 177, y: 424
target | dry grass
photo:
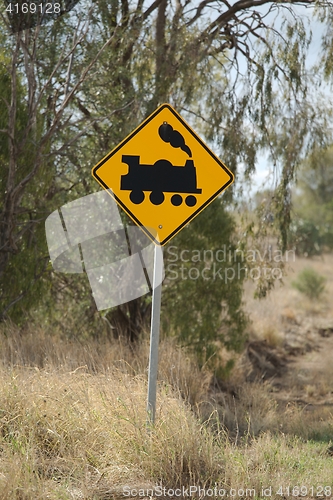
x: 32, y: 347
x: 73, y: 418
x: 284, y: 303
x: 269, y: 333
x: 279, y: 461
x: 77, y: 435
x: 67, y: 432
x: 75, y: 428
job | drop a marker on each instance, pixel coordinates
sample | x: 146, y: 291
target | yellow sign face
x: 162, y: 174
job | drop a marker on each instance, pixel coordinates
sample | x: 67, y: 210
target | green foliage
x: 310, y: 283
x: 312, y: 230
x: 27, y: 261
x: 305, y: 237
x: 89, y: 79
x: 202, y: 294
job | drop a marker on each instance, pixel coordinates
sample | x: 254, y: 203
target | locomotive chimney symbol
x: 162, y: 177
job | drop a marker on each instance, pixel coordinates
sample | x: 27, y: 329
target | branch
x: 242, y: 5
x: 93, y: 123
x: 69, y: 71
x: 199, y: 10
x: 19, y: 188
x: 124, y: 13
x: 151, y: 9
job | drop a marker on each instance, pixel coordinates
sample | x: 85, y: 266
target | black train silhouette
x: 160, y: 178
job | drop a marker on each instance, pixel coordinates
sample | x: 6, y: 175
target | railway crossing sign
x: 163, y: 175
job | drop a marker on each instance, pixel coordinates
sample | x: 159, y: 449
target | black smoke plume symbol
x: 168, y: 134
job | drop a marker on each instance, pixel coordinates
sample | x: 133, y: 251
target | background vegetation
x: 73, y: 88
x: 72, y: 401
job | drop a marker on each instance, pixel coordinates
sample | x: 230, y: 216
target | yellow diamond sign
x: 163, y: 175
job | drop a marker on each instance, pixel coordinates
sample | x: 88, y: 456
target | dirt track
x: 309, y: 376
x: 292, y: 337
x: 300, y: 370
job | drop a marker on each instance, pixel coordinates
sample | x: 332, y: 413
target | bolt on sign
x: 163, y: 175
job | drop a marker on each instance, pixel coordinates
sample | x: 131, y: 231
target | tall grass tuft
x: 73, y: 425
x: 310, y: 283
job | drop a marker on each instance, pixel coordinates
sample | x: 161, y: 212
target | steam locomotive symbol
x: 160, y: 178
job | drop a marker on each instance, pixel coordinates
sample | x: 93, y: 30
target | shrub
x: 311, y: 283
x: 304, y: 236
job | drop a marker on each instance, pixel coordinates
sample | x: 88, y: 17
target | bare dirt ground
x: 291, y: 341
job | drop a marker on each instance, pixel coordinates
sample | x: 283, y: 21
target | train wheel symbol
x: 156, y: 197
x: 176, y: 200
x: 190, y: 201
x: 137, y: 197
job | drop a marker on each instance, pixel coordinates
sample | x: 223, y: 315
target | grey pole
x: 154, y: 333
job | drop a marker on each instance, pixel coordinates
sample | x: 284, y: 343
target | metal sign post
x: 154, y: 333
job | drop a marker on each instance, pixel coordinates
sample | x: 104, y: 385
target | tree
x: 236, y: 71
x: 315, y: 180
x: 40, y: 126
x: 311, y: 230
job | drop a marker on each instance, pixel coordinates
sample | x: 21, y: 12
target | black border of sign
x: 132, y: 134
